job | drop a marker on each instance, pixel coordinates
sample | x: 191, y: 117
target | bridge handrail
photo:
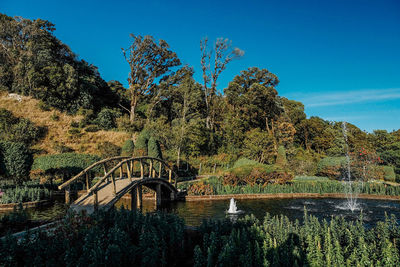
x: 67, y: 183
x: 95, y: 187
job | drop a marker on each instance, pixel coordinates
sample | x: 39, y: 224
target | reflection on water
x: 194, y: 212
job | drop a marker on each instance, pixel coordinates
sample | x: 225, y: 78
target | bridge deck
x: 105, y: 196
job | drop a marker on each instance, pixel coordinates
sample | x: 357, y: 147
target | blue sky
x: 340, y: 58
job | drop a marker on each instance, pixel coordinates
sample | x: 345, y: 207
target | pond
x: 194, y: 212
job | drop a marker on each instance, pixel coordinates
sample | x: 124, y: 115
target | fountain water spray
x: 232, y: 208
x: 350, y: 187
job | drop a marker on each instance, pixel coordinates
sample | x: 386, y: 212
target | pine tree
x: 153, y: 148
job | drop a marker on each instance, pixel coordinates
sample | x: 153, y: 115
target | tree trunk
x: 134, y: 101
x: 178, y: 160
x: 273, y: 136
x: 266, y: 125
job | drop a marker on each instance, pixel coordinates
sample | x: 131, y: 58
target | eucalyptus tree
x: 213, y: 61
x: 150, y: 62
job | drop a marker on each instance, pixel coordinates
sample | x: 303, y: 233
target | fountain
x: 350, y: 187
x: 232, y: 208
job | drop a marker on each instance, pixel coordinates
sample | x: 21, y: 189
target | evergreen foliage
x: 128, y: 148
x: 141, y: 143
x: 154, y: 149
x: 66, y: 164
x: 16, y: 159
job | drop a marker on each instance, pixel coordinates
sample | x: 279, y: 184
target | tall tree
x: 149, y: 62
x: 223, y: 54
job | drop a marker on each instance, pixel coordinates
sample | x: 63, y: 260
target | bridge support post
x: 158, y: 195
x: 134, y: 198
x: 67, y: 195
x: 139, y: 200
x: 87, y: 182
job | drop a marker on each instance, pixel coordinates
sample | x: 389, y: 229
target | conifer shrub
x: 128, y: 148
x: 154, y: 149
x: 15, y: 160
x: 281, y: 157
x: 141, y: 143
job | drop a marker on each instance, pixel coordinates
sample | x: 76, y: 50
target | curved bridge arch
x: 153, y: 172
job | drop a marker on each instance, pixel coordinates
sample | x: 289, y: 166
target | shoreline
x: 287, y: 195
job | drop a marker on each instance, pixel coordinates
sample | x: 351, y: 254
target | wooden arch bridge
x: 127, y: 175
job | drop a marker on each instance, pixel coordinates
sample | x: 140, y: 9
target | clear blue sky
x: 340, y: 58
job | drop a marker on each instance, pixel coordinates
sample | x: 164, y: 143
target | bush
x: 92, y: 128
x: 26, y: 132
x: 17, y: 160
x: 108, y: 149
x: 281, y: 160
x: 141, y: 143
x: 106, y: 119
x: 60, y: 148
x: 128, y: 148
x: 74, y: 133
x: 19, y: 129
x: 24, y: 194
x: 65, y: 165
x: 332, y: 167
x: 74, y: 124
x: 389, y: 174
x: 154, y: 149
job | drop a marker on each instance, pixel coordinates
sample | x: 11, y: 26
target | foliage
x: 141, y: 143
x: 37, y: 64
x: 154, y: 149
x: 258, y: 145
x: 108, y: 149
x: 115, y: 238
x: 106, y: 119
x: 18, y: 129
x: 332, y: 167
x: 92, y: 129
x: 319, y: 186
x: 279, y: 242
x: 21, y: 194
x: 65, y: 165
x: 128, y: 148
x: 281, y: 157
x: 389, y: 174
x: 15, y: 160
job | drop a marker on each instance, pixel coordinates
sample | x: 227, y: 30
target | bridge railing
x: 86, y: 171
x: 129, y: 163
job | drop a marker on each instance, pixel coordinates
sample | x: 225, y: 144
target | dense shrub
x: 108, y: 149
x: 106, y: 119
x: 141, y: 143
x: 389, y: 174
x: 127, y: 148
x: 115, y: 238
x: 281, y: 157
x: 332, y: 167
x: 313, y: 186
x: 279, y: 242
x: 16, y: 159
x: 65, y: 165
x: 24, y: 194
x: 154, y: 149
x: 19, y: 130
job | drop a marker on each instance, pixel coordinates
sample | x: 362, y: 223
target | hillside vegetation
x: 57, y: 130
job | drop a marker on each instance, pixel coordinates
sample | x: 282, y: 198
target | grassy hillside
x: 58, y: 129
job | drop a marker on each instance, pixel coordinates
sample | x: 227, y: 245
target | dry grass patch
x: 58, y: 129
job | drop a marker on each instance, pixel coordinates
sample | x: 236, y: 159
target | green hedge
x: 67, y: 164
x: 141, y: 143
x: 15, y: 161
x: 389, y: 174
